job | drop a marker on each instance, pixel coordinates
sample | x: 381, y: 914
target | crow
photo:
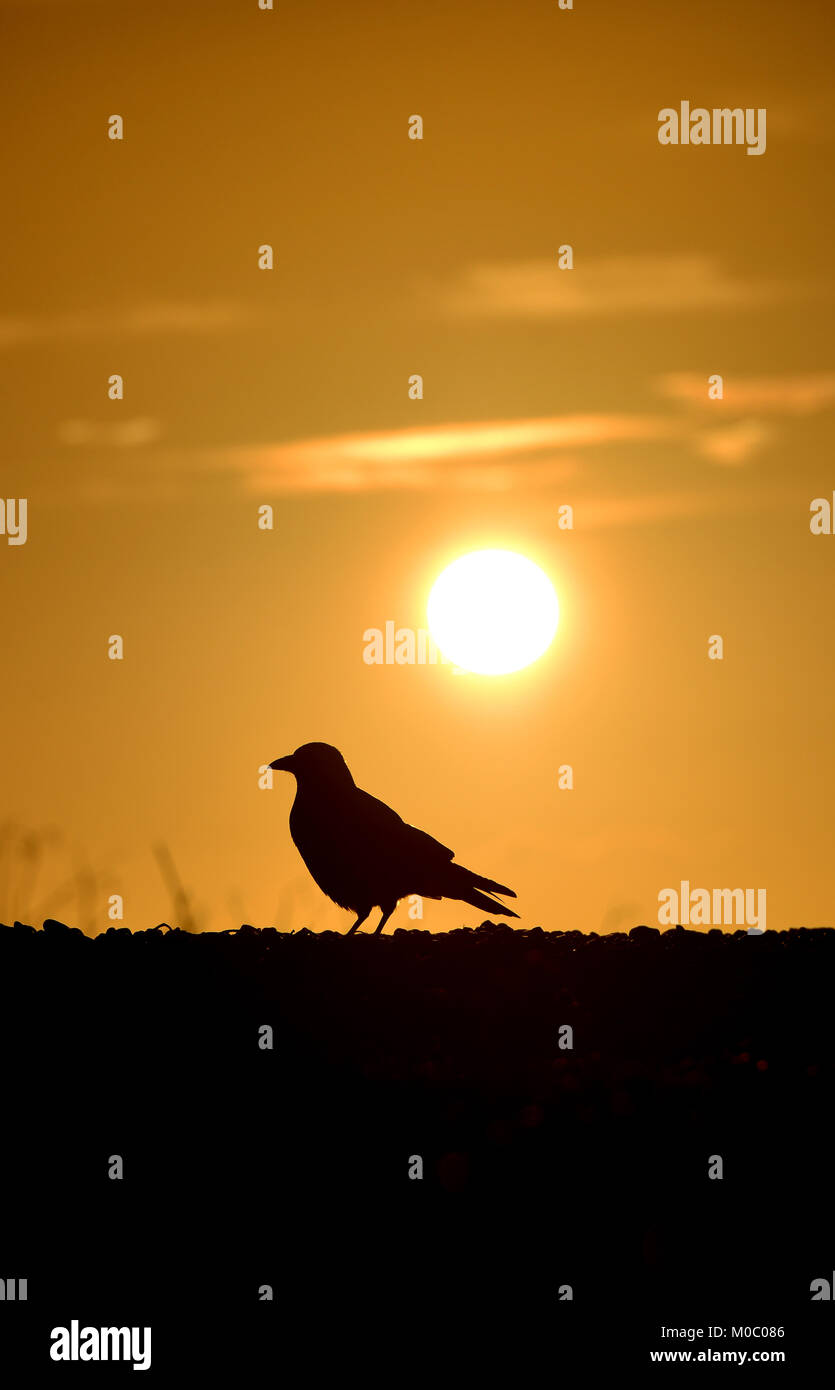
x: 359, y: 851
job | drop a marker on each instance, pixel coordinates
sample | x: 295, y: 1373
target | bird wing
x: 399, y: 840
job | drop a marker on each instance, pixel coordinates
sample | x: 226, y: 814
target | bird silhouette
x: 359, y: 851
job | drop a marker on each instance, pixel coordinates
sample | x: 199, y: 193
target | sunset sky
x: 542, y: 388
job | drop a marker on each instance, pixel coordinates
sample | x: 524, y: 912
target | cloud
x: 114, y: 434
x: 495, y: 455
x: 595, y: 512
x: 153, y: 317
x: 790, y: 395
x: 736, y: 440
x: 611, y: 285
x: 735, y: 444
x: 526, y: 455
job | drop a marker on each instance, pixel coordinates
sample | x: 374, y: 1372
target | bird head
x: 315, y: 762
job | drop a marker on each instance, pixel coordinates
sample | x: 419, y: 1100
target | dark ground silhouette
x: 542, y: 1166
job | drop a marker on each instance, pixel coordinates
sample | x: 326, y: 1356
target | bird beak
x: 283, y: 764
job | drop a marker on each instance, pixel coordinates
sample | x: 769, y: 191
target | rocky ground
x: 421, y: 1131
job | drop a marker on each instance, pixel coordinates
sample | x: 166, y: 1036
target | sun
x: 492, y: 612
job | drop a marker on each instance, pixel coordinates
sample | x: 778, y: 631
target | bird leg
x: 387, y: 911
x: 360, y: 919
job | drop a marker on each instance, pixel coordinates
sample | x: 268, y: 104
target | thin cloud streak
x: 475, y: 454
x: 122, y: 434
x: 652, y: 284
x: 595, y: 512
x: 799, y: 394
x: 339, y: 465
x: 138, y: 320
x: 735, y: 445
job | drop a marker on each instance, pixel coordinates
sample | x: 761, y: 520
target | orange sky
x: 290, y: 387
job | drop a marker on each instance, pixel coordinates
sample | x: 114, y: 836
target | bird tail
x: 489, y: 883
x: 467, y: 885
